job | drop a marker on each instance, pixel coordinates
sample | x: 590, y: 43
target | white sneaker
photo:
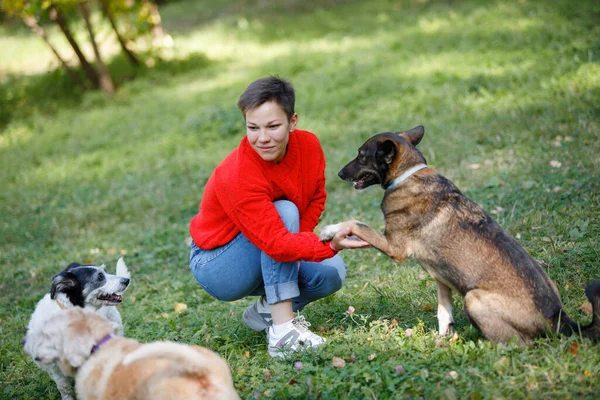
x: 296, y: 338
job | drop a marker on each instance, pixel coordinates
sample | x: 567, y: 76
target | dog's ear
x: 63, y: 282
x: 413, y: 136
x: 122, y: 270
x: 386, y: 151
x: 72, y: 265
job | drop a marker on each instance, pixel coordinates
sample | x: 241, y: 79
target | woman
x: 253, y: 234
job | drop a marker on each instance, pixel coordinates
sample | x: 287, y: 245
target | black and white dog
x: 86, y: 286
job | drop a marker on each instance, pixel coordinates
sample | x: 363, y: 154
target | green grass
x: 503, y: 89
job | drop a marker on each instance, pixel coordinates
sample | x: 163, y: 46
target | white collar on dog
x: 406, y: 175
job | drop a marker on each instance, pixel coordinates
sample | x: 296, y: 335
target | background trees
x: 128, y: 20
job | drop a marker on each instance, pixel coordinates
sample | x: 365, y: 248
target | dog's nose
x: 341, y: 174
x: 125, y: 281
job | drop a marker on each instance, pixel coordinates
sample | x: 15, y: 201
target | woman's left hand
x: 342, y: 241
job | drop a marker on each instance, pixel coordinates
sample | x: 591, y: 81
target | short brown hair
x: 270, y: 88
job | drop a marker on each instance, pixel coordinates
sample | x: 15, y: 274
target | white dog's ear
x: 122, y: 270
x: 63, y: 282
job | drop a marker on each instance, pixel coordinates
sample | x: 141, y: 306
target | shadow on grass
x: 45, y: 94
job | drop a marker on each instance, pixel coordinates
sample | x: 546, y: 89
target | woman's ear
x: 293, y: 122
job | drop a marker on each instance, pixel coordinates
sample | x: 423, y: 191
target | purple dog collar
x: 100, y: 343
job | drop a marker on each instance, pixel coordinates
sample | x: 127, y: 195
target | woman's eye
x: 274, y: 126
x: 252, y: 128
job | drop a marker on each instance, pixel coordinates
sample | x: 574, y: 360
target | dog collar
x: 406, y: 175
x: 61, y: 305
x: 96, y: 347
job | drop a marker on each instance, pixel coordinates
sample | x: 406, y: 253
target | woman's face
x: 268, y: 130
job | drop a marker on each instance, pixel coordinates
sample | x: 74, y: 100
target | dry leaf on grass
x: 338, y: 362
x: 586, y: 308
x: 179, y: 307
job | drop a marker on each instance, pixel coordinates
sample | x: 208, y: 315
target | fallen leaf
x: 427, y: 307
x: 247, y: 354
x: 453, y: 374
x: 454, y: 338
x: 338, y: 362
x: 292, y: 381
x: 179, y: 307
x: 574, y: 348
x: 586, y: 308
x: 372, y: 357
x: 111, y: 251
x: 555, y: 164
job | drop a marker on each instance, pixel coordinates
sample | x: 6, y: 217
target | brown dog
x: 109, y: 367
x: 506, y: 292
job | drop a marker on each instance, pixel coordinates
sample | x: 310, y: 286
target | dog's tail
x: 592, y: 330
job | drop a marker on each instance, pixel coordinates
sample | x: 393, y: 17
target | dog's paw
x: 329, y: 231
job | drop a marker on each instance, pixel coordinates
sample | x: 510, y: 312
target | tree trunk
x: 109, y: 16
x: 89, y: 70
x: 32, y: 23
x: 106, y: 81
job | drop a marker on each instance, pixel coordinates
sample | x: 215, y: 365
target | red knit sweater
x: 239, y: 197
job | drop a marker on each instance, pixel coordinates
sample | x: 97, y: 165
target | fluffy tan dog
x: 108, y: 367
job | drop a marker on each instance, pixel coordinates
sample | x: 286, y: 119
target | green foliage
x: 509, y: 96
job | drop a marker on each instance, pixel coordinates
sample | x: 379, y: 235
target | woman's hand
x: 342, y: 241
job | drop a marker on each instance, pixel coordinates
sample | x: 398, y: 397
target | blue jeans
x: 239, y: 269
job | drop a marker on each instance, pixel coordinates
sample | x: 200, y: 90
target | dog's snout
x: 125, y: 281
x: 341, y: 174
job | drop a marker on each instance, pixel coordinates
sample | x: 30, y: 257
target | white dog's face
x: 91, y: 285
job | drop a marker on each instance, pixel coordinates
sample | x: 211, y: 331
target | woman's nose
x: 263, y: 137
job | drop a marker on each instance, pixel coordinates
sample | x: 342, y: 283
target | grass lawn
x: 508, y: 92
